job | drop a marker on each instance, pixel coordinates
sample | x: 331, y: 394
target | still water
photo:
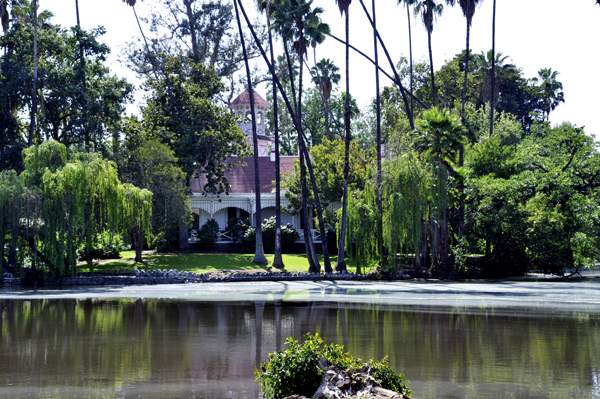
x: 205, y: 343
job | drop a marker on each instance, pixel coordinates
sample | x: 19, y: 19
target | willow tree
x: 78, y: 198
x: 11, y: 192
x: 136, y: 213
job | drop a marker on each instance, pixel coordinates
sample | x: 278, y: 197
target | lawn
x: 201, y: 263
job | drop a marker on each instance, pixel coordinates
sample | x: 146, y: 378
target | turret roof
x: 244, y: 99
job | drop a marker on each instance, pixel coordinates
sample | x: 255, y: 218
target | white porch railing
x: 225, y: 236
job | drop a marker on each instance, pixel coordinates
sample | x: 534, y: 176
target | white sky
x: 535, y: 34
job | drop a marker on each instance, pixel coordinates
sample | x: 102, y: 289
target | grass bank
x: 201, y: 263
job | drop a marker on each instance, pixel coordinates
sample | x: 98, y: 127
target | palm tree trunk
x: 341, y: 264
x: 398, y: 80
x: 412, y: 105
x: 35, y: 75
x: 461, y: 153
x: 327, y: 128
x: 464, y: 93
x: 277, y: 259
x: 259, y: 254
x: 319, y: 209
x: 314, y: 266
x: 378, y: 104
x: 433, y: 91
x: 83, y: 80
x: 493, y: 70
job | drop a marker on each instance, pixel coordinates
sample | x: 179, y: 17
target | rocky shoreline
x: 155, y: 277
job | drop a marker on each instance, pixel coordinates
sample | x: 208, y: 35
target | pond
x: 458, y: 340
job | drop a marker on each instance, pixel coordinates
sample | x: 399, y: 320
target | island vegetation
x: 455, y: 171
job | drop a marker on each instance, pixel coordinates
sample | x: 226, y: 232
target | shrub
x: 208, y: 234
x: 106, y: 245
x: 289, y: 235
x: 295, y: 371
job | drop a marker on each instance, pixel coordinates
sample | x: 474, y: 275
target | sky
x: 535, y: 34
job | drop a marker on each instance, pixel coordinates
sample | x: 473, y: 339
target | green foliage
x: 152, y: 165
x: 289, y: 235
x: 68, y: 108
x: 63, y: 203
x: 180, y: 112
x: 106, y: 245
x: 328, y: 164
x: 295, y: 371
x: 208, y: 234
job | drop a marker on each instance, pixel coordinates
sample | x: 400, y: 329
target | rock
x: 339, y: 383
x: 165, y: 273
x: 137, y: 272
x: 171, y: 273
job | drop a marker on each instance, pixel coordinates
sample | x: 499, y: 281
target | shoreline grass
x: 201, y: 262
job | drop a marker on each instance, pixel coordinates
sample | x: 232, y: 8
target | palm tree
x: 485, y: 63
x: 408, y: 4
x: 438, y: 138
x: 299, y: 23
x: 82, y: 68
x: 35, y: 74
x: 132, y: 4
x: 468, y: 8
x: 493, y: 68
x: 551, y: 90
x: 344, y: 6
x: 259, y: 254
x: 324, y: 76
x: 378, y: 107
x: 265, y: 6
x: 429, y: 11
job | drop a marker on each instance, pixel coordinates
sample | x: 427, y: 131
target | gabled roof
x: 244, y: 99
x: 241, y: 176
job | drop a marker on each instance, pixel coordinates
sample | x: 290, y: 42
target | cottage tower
x: 240, y: 107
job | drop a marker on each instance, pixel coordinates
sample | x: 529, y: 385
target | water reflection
x: 154, y: 348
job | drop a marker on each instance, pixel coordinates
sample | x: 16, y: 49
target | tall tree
x: 551, y: 90
x: 35, y: 74
x: 82, y: 75
x: 298, y: 22
x: 259, y: 253
x: 324, y: 76
x: 492, y: 103
x: 344, y: 6
x: 265, y: 6
x: 378, y: 117
x: 429, y: 11
x: 438, y: 138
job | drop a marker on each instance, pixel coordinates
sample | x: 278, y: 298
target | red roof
x: 244, y: 99
x: 241, y: 176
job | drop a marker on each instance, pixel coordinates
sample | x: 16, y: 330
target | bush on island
x: 296, y: 370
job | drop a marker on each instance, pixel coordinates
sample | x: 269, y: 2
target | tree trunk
x: 324, y: 245
x: 464, y: 93
x: 278, y: 258
x: 493, y: 70
x: 314, y: 266
x: 378, y: 105
x: 327, y: 128
x: 259, y: 253
x: 461, y: 153
x: 412, y: 105
x: 35, y: 75
x: 341, y: 264
x: 191, y: 18
x: 83, y: 81
x: 433, y: 91
x: 138, y: 243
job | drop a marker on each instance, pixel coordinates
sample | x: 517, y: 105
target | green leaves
x: 295, y: 370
